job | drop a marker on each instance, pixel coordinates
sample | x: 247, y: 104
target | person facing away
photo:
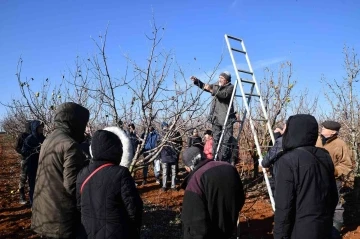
x: 208, y: 147
x: 168, y: 157
x: 194, y: 138
x: 23, y: 166
x: 151, y: 142
x: 213, y: 197
x: 222, y: 92
x: 31, y: 150
x: 306, y: 193
x: 271, y: 156
x: 54, y: 213
x: 340, y: 156
x: 134, y: 138
x: 107, y: 197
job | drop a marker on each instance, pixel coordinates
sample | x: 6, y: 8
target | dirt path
x: 161, y: 215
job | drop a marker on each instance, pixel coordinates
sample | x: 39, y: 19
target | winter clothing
x: 21, y: 138
x: 218, y: 112
x: 109, y: 202
x: 30, y: 151
x: 271, y: 157
x: 220, y: 103
x: 54, y: 211
x: 169, y: 158
x: 193, y: 140
x: 213, y: 198
x: 151, y: 143
x: 272, y: 154
x: 85, y: 146
x: 339, y: 153
x: 340, y: 156
x: 306, y: 193
x: 208, y: 149
x: 134, y: 140
x: 332, y: 125
x: 23, y: 162
x: 127, y: 154
x: 226, y: 75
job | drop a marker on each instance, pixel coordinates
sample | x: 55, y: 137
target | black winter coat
x: 169, y: 154
x: 220, y: 103
x: 213, y: 199
x: 110, y: 204
x: 306, y: 193
x: 31, y: 147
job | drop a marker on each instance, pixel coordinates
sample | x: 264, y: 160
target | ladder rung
x: 234, y: 38
x: 247, y: 94
x: 237, y: 50
x: 247, y: 72
x: 260, y: 120
x: 247, y: 81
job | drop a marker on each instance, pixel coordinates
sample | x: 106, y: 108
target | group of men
x: 72, y: 194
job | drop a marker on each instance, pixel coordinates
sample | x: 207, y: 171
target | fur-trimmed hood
x: 127, y: 154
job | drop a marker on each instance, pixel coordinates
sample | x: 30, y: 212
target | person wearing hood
x: 306, y: 194
x: 222, y: 92
x: 271, y: 156
x: 54, y: 213
x: 107, y: 197
x: 30, y: 151
x: 23, y: 163
x: 127, y: 153
x: 340, y: 156
x: 213, y: 197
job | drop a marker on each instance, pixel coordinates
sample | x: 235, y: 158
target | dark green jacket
x: 54, y: 212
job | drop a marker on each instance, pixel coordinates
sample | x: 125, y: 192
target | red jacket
x: 208, y: 149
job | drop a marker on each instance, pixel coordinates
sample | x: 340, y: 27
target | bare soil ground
x: 162, y: 209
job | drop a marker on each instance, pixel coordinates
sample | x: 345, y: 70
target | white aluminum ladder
x: 246, y: 96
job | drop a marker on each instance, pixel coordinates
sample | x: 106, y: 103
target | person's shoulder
x: 339, y: 142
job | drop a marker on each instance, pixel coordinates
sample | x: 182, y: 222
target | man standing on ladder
x: 222, y: 92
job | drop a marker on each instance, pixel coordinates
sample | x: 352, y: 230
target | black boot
x: 22, y: 196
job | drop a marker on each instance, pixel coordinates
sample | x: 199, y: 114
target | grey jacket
x: 220, y: 103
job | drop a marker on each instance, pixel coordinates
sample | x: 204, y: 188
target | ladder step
x: 247, y: 81
x: 237, y: 50
x: 260, y: 120
x: 244, y: 71
x: 255, y: 95
x: 234, y: 38
x: 246, y: 96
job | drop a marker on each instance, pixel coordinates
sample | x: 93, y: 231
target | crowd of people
x: 80, y: 185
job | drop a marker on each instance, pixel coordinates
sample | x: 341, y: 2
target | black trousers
x: 225, y: 148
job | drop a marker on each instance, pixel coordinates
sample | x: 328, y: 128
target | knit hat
x: 192, y: 156
x: 226, y: 75
x: 209, y: 132
x: 332, y: 125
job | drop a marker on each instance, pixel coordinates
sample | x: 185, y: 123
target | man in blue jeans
x: 151, y: 143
